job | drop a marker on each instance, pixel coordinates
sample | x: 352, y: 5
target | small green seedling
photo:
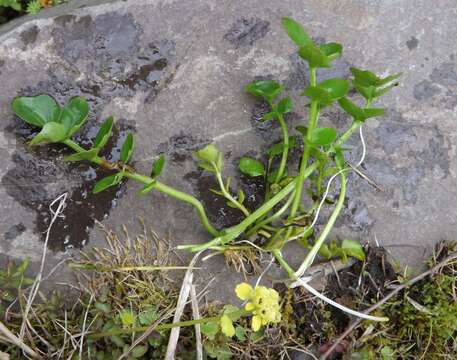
x: 283, y: 216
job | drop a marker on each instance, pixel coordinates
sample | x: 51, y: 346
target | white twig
x: 182, y: 300
x: 196, y: 316
x: 264, y: 271
x: 364, y: 148
x: 304, y: 282
x: 18, y: 342
x: 36, y: 284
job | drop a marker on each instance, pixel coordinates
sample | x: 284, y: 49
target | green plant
x: 12, y: 279
x: 29, y: 6
x: 423, y: 322
x: 282, y: 217
x: 33, y: 7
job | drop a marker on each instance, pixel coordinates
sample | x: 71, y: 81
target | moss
x: 423, y: 322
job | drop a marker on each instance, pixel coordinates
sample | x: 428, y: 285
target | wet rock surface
x: 173, y: 73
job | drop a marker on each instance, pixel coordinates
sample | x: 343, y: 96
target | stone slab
x: 174, y: 72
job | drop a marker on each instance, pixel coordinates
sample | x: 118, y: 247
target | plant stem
x: 328, y: 227
x: 313, y: 118
x: 272, y: 217
x: 158, y: 328
x: 235, y: 231
x: 285, y: 151
x: 240, y: 312
x: 161, y: 187
x: 277, y: 254
x: 229, y: 197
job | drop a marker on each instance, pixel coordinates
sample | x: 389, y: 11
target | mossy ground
x: 109, y: 297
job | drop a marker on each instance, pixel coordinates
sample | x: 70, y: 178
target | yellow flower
x: 263, y: 303
x: 244, y: 291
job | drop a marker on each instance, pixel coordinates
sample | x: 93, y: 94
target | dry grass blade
x: 196, y: 316
x: 16, y: 341
x: 182, y: 300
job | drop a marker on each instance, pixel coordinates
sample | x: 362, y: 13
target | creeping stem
x: 313, y: 117
x: 285, y: 151
x: 240, y: 312
x: 328, y: 227
x: 235, y: 231
x: 131, y: 174
x: 229, y: 197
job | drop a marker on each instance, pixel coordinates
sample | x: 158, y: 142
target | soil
x: 362, y: 283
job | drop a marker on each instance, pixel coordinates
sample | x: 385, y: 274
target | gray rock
x: 174, y: 71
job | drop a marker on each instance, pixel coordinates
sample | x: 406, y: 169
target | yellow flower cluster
x: 263, y: 303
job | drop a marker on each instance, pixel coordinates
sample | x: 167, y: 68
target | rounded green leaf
x: 315, y: 93
x: 351, y: 108
x: 138, y: 351
x: 295, y: 31
x: 107, y: 182
x: 148, y: 316
x: 337, y: 88
x: 314, y: 56
x: 104, y: 133
x: 74, y: 114
x: 50, y: 133
x: 278, y: 148
x: 267, y: 89
x: 270, y: 116
x: 83, y: 155
x: 227, y: 327
x: 251, y: 167
x: 373, y: 112
x: 36, y: 110
x: 209, y: 153
x: 285, y: 105
x: 127, y: 148
x: 332, y: 50
x: 358, y: 113
x: 158, y: 165
x: 353, y: 248
x: 240, y: 333
x: 323, y: 136
x: 368, y: 92
x: 148, y: 187
x: 210, y: 329
x: 365, y: 77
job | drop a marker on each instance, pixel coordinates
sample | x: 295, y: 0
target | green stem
x: 290, y: 272
x: 328, y: 227
x: 240, y: 312
x: 272, y: 217
x: 235, y: 231
x: 157, y: 328
x: 313, y: 118
x: 229, y: 197
x: 158, y: 186
x: 285, y: 151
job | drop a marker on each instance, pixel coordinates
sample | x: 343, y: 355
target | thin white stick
x: 364, y: 148
x: 36, y: 284
x: 182, y: 301
x: 18, y: 342
x: 264, y: 272
x: 304, y: 283
x: 196, y: 315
